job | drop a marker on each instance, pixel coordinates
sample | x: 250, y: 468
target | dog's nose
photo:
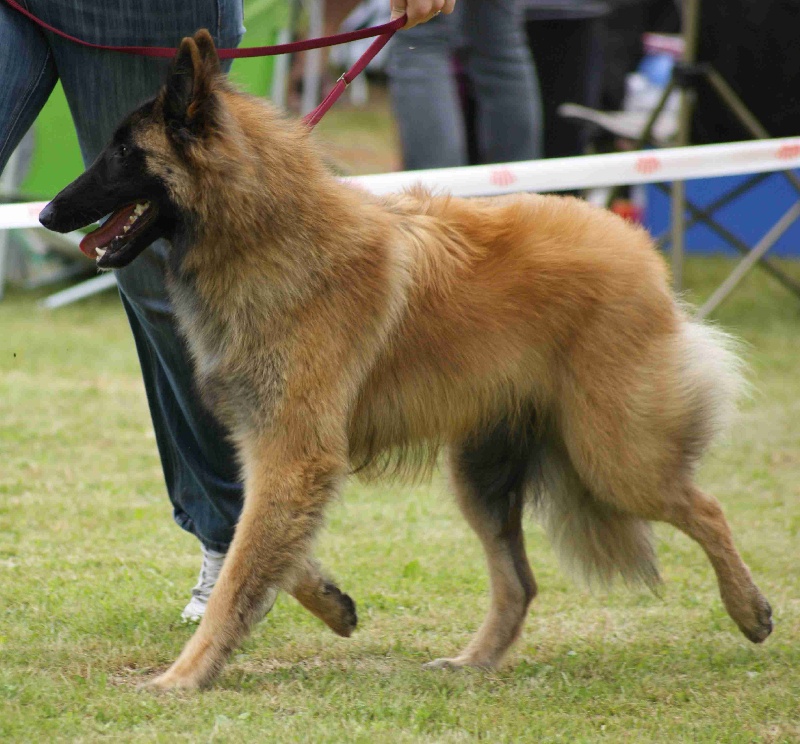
x: 48, y: 216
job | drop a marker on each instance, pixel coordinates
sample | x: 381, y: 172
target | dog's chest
x: 205, y: 332
x: 239, y: 373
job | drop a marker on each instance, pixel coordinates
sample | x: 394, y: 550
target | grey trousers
x: 501, y: 72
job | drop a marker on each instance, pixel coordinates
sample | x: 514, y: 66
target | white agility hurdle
x: 560, y: 174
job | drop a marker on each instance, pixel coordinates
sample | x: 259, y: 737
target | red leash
x: 384, y: 32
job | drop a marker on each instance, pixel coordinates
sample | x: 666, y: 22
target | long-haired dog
x: 534, y: 338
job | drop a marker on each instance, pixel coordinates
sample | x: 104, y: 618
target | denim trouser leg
x: 27, y: 77
x: 503, y: 77
x: 101, y: 87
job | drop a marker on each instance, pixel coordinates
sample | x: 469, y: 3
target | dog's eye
x: 124, y: 151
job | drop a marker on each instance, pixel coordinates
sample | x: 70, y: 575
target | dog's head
x: 143, y: 178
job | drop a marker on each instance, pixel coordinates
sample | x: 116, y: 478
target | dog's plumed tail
x: 712, y: 382
x: 594, y: 541
x: 595, y: 514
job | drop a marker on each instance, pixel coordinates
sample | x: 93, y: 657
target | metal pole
x: 745, y: 116
x: 706, y: 213
x: 704, y: 216
x: 690, y: 28
x: 772, y: 236
x: 312, y: 74
x: 79, y: 291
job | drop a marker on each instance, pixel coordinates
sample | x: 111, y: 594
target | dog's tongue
x: 107, y: 232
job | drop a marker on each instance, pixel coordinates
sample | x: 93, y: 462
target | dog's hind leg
x: 700, y: 516
x: 489, y: 477
x: 636, y: 445
x: 651, y: 492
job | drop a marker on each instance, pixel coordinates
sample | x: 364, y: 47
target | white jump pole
x: 554, y: 174
x: 595, y: 171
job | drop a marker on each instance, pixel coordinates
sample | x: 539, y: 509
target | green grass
x: 361, y: 140
x: 93, y: 575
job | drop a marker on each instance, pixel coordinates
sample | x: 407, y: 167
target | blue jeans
x: 199, y: 464
x: 503, y: 80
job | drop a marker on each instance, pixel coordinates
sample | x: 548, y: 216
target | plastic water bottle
x: 645, y: 86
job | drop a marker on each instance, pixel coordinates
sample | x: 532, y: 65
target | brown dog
x: 534, y: 337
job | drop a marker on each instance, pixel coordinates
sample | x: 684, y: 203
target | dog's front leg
x: 286, y: 489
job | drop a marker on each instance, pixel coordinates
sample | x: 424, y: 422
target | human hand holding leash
x: 420, y: 11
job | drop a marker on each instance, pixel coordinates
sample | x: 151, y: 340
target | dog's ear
x: 208, y: 52
x: 188, y: 96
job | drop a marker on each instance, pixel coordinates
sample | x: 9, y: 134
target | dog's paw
x: 345, y: 619
x: 169, y: 681
x: 761, y: 626
x: 458, y: 662
x: 438, y: 664
x: 749, y: 609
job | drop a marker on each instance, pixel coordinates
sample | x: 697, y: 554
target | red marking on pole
x: 502, y: 177
x: 647, y: 164
x: 788, y: 152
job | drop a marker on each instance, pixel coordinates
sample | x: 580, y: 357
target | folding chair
x: 686, y: 75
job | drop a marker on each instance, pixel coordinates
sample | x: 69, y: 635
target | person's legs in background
x: 509, y: 122
x: 503, y: 81
x: 425, y: 96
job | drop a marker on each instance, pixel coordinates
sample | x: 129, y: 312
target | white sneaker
x: 209, y: 573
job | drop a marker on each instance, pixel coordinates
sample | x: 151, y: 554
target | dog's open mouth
x: 119, y: 230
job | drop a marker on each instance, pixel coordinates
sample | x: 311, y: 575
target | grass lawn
x: 93, y: 574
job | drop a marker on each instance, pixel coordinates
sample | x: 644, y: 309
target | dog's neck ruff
x: 384, y: 32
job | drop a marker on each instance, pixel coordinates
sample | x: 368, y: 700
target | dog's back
x: 505, y: 299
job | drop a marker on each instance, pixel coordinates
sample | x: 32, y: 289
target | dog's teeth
x: 100, y: 252
x: 140, y: 208
x: 126, y: 228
